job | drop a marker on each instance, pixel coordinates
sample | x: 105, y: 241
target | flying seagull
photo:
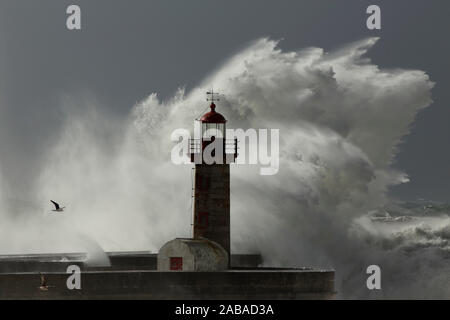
x: 57, y: 207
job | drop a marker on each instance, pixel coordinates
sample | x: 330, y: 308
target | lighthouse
x: 211, y: 152
x: 212, y: 155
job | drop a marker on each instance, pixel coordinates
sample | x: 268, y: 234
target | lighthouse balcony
x: 229, y: 148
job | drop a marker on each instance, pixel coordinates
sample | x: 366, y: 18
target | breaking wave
x: 341, y: 118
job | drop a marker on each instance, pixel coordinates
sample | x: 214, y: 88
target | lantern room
x: 213, y: 131
x: 213, y: 124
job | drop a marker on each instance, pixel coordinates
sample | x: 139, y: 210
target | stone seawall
x: 118, y: 261
x: 136, y: 284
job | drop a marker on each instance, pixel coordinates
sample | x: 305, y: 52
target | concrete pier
x: 132, y: 275
x: 231, y: 284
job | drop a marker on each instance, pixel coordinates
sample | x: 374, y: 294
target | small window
x: 176, y: 263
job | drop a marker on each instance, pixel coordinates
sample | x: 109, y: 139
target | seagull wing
x: 56, y: 204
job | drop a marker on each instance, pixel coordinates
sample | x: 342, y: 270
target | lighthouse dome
x: 213, y: 116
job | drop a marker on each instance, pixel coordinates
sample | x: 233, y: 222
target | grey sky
x: 129, y: 49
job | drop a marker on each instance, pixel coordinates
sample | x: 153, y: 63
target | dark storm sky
x: 129, y: 49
